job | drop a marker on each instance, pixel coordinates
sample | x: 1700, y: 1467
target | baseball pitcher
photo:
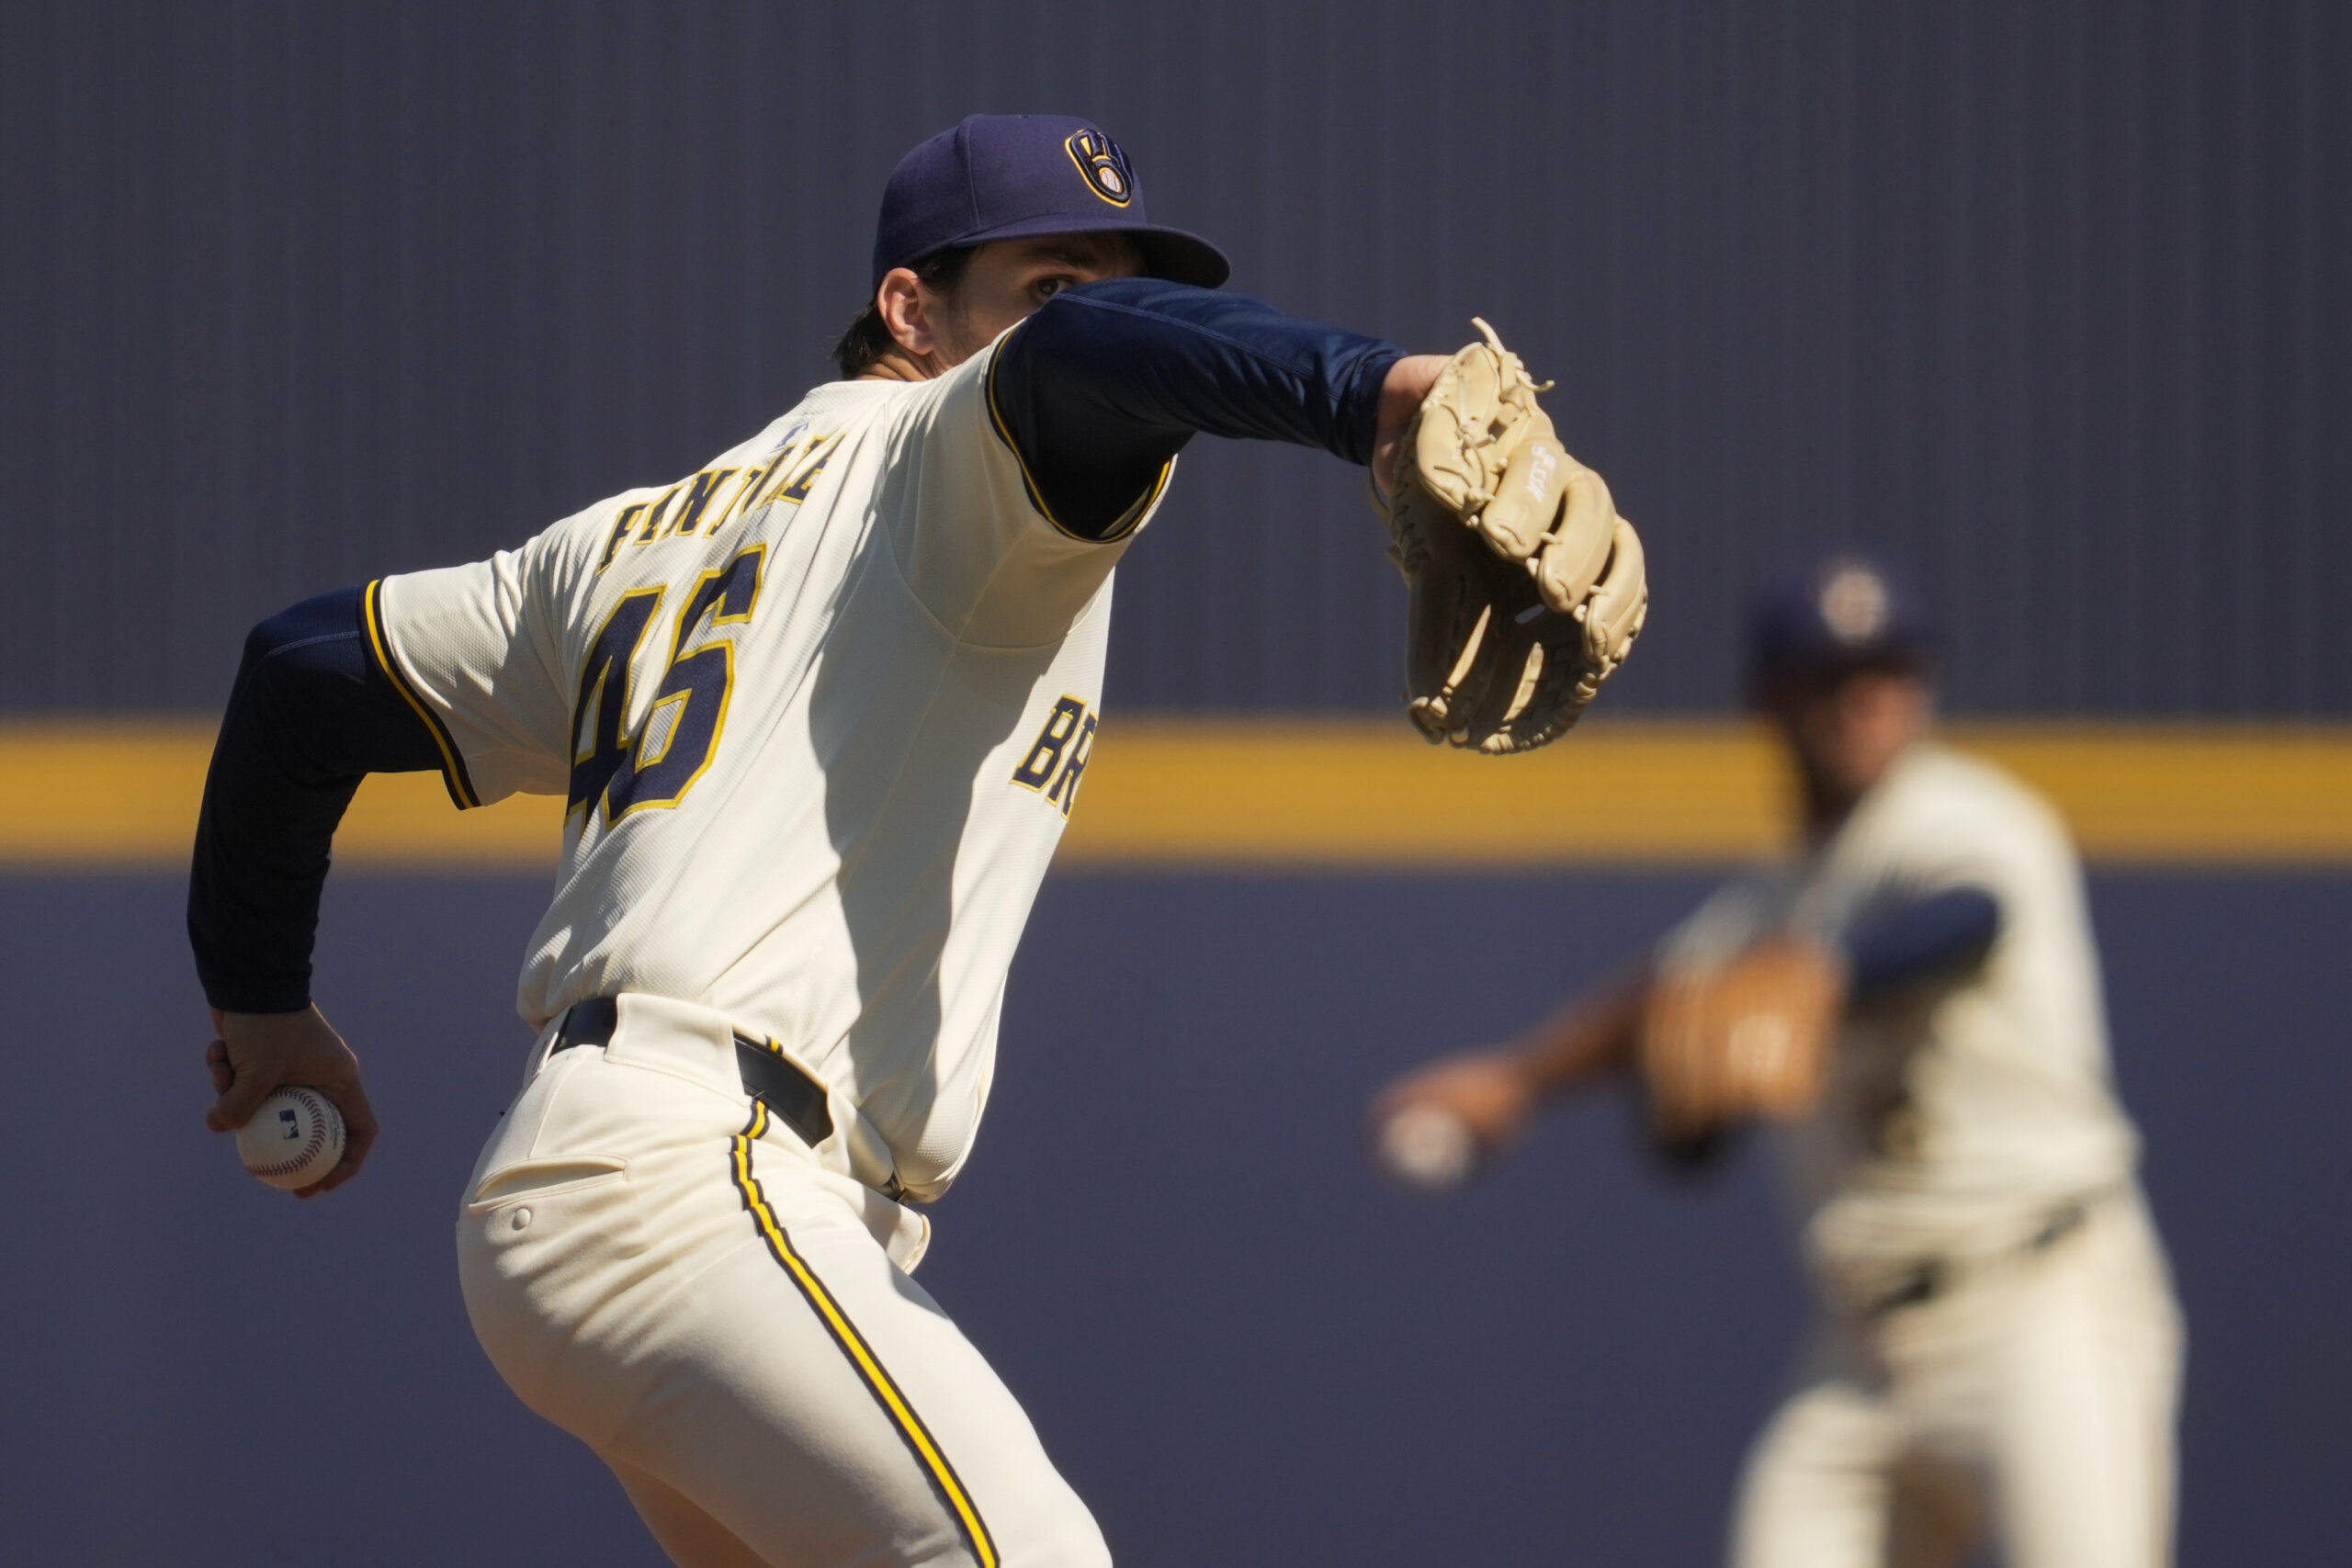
x: 819, y: 711
x: 1914, y: 1000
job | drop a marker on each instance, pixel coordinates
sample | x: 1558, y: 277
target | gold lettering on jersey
x: 629, y: 515
x: 1063, y: 791
x: 1056, y: 761
x: 797, y: 463
x: 751, y: 477
x: 796, y: 468
x: 780, y: 472
x: 795, y: 489
x: 699, y: 495
x: 652, y: 529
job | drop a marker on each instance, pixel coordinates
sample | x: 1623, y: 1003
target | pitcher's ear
x: 905, y: 311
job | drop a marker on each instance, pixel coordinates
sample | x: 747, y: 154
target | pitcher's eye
x: 1047, y: 288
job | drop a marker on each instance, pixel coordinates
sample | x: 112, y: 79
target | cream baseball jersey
x: 819, y: 711
x: 1954, y: 1120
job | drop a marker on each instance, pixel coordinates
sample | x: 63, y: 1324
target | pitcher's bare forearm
x: 1494, y: 1091
x: 1590, y: 1036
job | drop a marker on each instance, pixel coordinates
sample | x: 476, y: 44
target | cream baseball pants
x: 658, y: 1266
x: 2034, y: 1404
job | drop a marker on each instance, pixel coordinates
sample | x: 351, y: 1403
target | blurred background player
x: 1915, y: 995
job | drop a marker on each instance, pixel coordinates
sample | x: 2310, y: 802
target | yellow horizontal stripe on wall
x: 127, y: 795
x: 1344, y: 793
x: 1652, y: 792
x: 1312, y: 792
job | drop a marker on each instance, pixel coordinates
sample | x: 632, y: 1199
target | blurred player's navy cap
x: 1009, y: 177
x: 1843, y: 612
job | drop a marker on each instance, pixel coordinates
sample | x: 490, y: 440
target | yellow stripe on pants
x: 886, y: 1390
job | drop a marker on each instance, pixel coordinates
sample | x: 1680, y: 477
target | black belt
x: 1934, y: 1277
x: 775, y: 1080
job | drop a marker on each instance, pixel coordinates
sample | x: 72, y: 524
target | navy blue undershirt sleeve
x: 312, y: 712
x: 1935, y: 938
x: 1107, y: 381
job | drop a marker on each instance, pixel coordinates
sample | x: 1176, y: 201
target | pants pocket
x: 544, y: 1246
x: 543, y: 1177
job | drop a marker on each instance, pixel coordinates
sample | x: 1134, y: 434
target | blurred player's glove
x: 1750, y: 1039
x: 1527, y: 589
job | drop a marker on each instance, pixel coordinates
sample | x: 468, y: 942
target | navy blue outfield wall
x: 1242, y: 1348
x: 2051, y: 297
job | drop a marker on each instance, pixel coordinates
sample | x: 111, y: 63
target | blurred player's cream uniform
x: 863, y: 583
x: 1996, y: 1325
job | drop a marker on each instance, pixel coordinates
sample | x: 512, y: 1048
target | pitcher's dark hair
x: 868, y: 337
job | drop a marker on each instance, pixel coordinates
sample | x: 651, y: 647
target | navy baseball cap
x: 1009, y: 177
x: 1843, y: 612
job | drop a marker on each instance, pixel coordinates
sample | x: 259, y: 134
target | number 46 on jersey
x: 658, y: 763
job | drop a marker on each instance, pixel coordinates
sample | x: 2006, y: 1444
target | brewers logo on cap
x: 1854, y: 604
x: 1102, y: 165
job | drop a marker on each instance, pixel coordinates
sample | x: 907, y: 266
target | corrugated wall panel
x: 2050, y: 299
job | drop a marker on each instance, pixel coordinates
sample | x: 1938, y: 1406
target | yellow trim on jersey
x: 1127, y: 521
x: 453, y: 766
x: 885, y: 1390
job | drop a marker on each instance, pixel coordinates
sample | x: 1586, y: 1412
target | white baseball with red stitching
x: 294, y: 1139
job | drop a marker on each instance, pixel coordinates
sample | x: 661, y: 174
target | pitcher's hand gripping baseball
x: 253, y: 1055
x: 1750, y: 1039
x: 1526, y: 588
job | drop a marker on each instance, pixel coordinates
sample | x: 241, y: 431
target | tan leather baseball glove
x: 1526, y: 588
x: 1750, y: 1039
